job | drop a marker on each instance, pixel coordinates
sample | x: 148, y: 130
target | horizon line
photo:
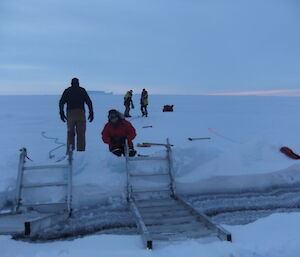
x: 277, y: 92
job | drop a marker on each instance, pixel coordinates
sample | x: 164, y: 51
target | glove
x: 132, y: 152
x: 63, y: 117
x: 91, y: 116
x: 132, y: 106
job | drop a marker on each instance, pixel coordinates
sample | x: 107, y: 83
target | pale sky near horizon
x: 166, y: 46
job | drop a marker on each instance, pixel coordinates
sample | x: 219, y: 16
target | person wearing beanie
x: 115, y: 133
x: 75, y: 97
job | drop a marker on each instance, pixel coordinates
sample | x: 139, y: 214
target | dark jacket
x: 75, y: 97
x: 115, y: 135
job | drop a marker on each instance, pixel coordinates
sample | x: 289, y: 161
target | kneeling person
x: 116, y: 132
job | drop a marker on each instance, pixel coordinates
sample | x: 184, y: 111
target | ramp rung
x: 169, y: 220
x: 52, y: 184
x: 161, y: 202
x: 148, y: 175
x: 43, y: 167
x: 162, y: 210
x: 165, y: 214
x: 147, y: 159
x: 151, y: 190
x: 162, y: 206
x: 41, y: 204
x: 176, y: 228
x: 169, y: 236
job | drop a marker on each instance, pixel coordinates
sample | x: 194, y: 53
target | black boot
x: 132, y: 152
x: 117, y: 151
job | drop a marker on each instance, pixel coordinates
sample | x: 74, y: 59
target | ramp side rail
x: 146, y: 236
x: 222, y: 233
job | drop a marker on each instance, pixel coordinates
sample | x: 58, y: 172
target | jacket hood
x: 115, y: 113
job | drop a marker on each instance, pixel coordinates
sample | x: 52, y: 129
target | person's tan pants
x: 76, y: 126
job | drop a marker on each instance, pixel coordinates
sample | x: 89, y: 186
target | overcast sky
x: 166, y: 46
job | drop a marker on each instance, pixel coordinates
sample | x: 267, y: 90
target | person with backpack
x: 115, y: 133
x: 144, y: 103
x: 75, y: 97
x: 128, y: 103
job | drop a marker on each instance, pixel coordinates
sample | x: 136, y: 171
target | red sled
x: 288, y: 152
x: 168, y: 108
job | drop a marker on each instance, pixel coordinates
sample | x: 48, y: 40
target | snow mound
x: 242, y: 154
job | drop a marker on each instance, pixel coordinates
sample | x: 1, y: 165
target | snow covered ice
x: 274, y: 236
x: 242, y: 155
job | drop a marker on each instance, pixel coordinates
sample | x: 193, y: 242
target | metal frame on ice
x: 146, y: 236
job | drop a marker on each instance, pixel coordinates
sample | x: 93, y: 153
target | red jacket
x: 123, y: 130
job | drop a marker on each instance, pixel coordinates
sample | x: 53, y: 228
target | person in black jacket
x: 128, y: 103
x: 75, y: 97
x: 144, y: 103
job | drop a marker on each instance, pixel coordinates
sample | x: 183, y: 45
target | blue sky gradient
x: 168, y: 46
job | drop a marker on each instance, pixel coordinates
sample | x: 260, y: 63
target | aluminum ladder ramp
x: 174, y: 219
x: 171, y: 221
x: 169, y: 218
x: 169, y: 185
x: 55, y: 211
x: 133, y: 192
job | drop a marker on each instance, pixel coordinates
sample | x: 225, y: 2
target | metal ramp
x: 33, y: 216
x: 160, y: 214
x: 65, y: 206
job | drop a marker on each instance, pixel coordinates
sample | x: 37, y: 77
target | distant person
x: 144, y: 103
x: 128, y: 103
x: 116, y: 131
x: 75, y: 97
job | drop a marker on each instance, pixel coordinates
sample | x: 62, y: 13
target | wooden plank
x: 146, y: 144
x: 198, y: 138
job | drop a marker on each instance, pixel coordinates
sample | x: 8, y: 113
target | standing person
x: 128, y: 103
x: 75, y: 97
x: 144, y: 103
x: 116, y: 131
